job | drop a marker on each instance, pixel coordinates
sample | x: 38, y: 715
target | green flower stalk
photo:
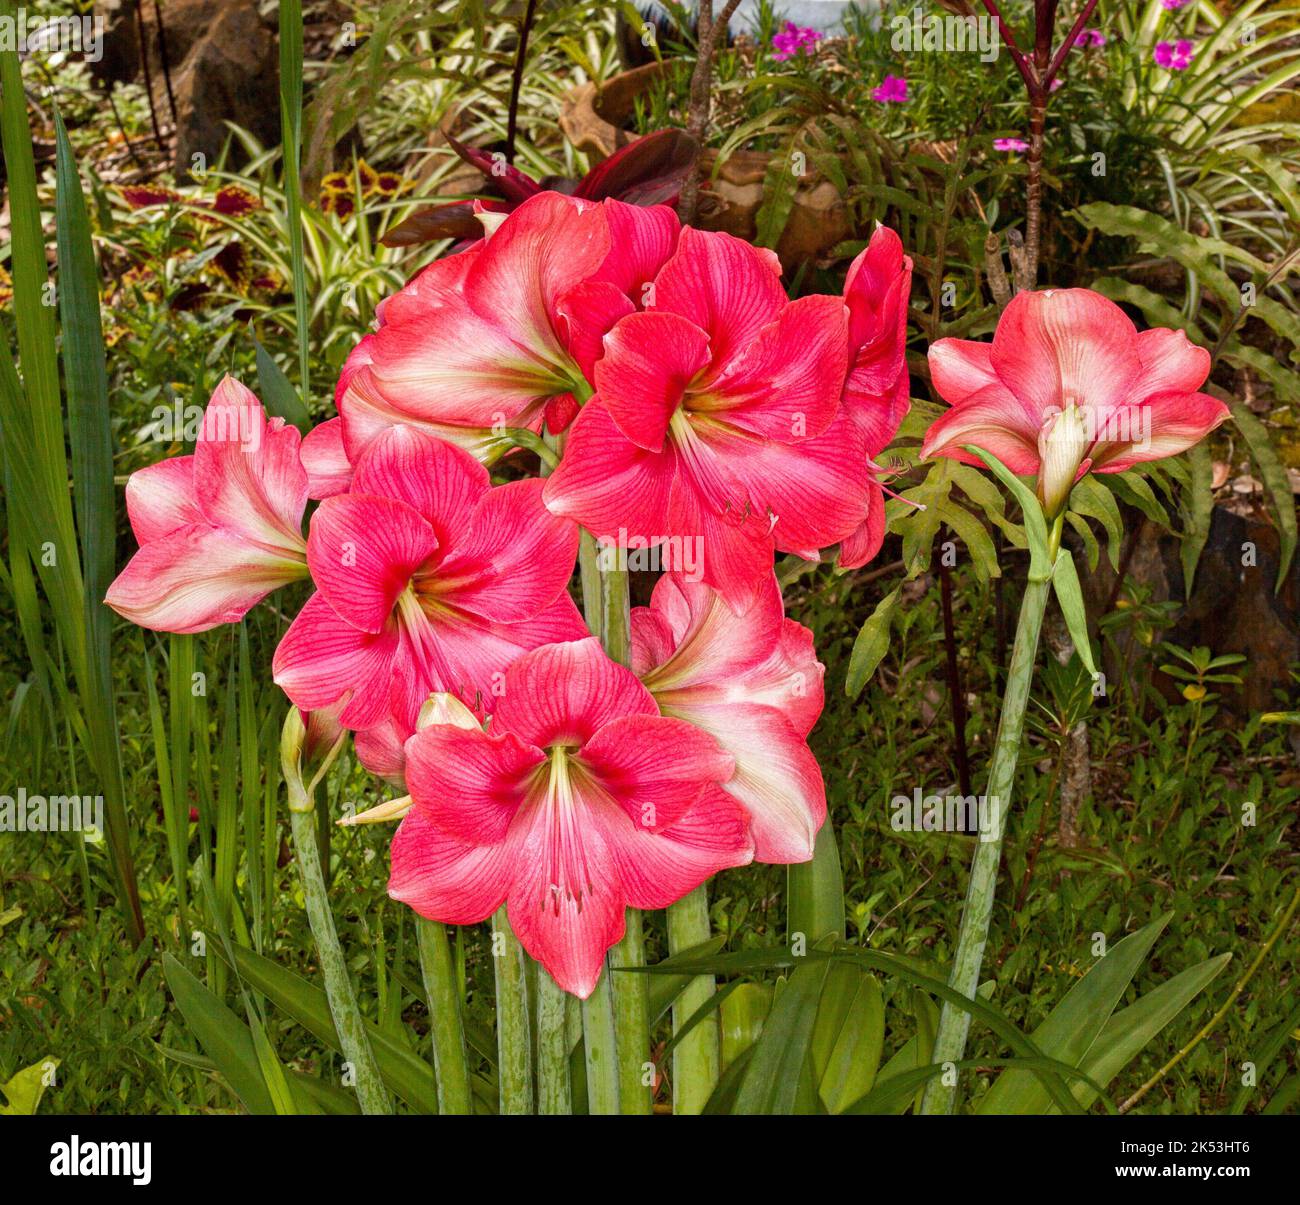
x: 446, y: 1027
x: 371, y: 1094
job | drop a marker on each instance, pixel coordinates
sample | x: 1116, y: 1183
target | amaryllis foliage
x: 1069, y: 385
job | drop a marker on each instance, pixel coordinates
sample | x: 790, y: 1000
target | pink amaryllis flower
x: 706, y: 401
x: 473, y: 343
x: 754, y: 683
x: 220, y: 529
x: 1069, y: 385
x: 427, y: 579
x: 578, y: 802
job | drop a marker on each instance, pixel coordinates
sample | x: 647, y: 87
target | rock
x: 230, y: 73
x: 1233, y: 607
x: 223, y: 62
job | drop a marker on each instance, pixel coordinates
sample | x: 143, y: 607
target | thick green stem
x: 338, y: 985
x: 514, y: 1039
x: 554, y: 1092
x: 445, y: 1025
x: 631, y: 1001
x: 696, y: 1059
x: 950, y: 1040
x: 601, y: 1047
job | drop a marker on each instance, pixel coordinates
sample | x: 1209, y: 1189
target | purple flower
x: 792, y: 40
x: 1010, y: 144
x: 1174, y: 56
x: 1174, y: 5
x: 1090, y: 37
x: 891, y: 91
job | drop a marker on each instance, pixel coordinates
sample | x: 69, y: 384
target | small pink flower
x: 1010, y: 144
x: 891, y: 91
x: 1173, y: 5
x: 1174, y: 56
x: 793, y: 40
x: 1090, y: 37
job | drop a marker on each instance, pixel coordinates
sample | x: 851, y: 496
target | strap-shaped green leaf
x: 1065, y: 581
x: 1040, y: 561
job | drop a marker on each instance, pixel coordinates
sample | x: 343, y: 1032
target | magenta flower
x: 792, y: 40
x: 1174, y: 56
x: 1010, y: 144
x: 891, y: 91
x: 1174, y: 5
x: 1090, y: 37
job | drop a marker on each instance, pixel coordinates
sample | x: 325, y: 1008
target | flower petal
x: 786, y: 383
x: 727, y: 287
x: 468, y: 782
x: 659, y: 868
x: 442, y: 483
x: 777, y: 779
x: 563, y: 693
x: 329, y: 471
x: 248, y: 477
x: 1171, y: 363
x: 322, y: 660
x: 1065, y: 345
x: 362, y: 551
x: 654, y: 767
x: 198, y: 577
x: 160, y: 498
x: 649, y: 360
x: 960, y: 368
x: 991, y: 419
x: 445, y: 879
x: 605, y: 482
x: 1170, y: 423
x: 515, y: 557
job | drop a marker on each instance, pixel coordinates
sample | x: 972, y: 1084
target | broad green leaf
x: 1073, y: 1025
x: 1065, y: 581
x: 849, y: 1036
x: 815, y: 892
x: 277, y: 394
x: 1089, y: 497
x: 408, y: 1076
x: 1040, y: 561
x: 222, y: 1035
x: 871, y: 645
x: 23, y: 1092
x: 1128, y: 1032
x: 778, y: 1078
x: 665, y: 989
x: 1276, y: 485
x: 743, y: 1014
x: 1199, y: 502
